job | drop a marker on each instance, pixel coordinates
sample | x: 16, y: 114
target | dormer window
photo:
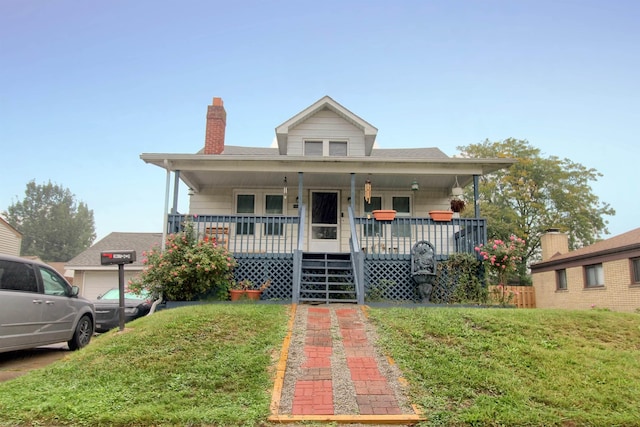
x: 325, y: 148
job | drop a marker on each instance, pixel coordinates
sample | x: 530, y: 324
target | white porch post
x: 165, y: 216
x: 353, y: 192
x: 176, y: 184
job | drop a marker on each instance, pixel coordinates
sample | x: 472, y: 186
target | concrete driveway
x: 16, y: 363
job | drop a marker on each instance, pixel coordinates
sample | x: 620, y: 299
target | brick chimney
x: 216, y: 123
x: 553, y: 242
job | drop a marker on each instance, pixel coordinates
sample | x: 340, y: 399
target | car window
x: 53, y: 284
x: 17, y: 276
x: 115, y: 294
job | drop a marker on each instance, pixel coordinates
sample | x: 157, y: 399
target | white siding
x: 210, y: 201
x: 326, y: 125
x: 9, y: 241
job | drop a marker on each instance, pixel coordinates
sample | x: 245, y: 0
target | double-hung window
x: 594, y: 276
x: 372, y: 228
x: 561, y: 280
x: 326, y: 148
x: 635, y: 271
x: 273, y: 205
x: 402, y: 206
x: 246, y: 204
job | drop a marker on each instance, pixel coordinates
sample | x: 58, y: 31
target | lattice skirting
x: 390, y: 280
x: 259, y: 270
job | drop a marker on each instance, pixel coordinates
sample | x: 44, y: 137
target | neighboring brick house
x: 95, y: 279
x: 603, y: 275
x: 10, y: 239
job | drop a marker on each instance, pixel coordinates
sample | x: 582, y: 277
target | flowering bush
x: 500, y: 259
x: 187, y: 268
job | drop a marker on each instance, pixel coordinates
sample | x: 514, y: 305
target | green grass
x: 496, y: 367
x: 207, y: 364
x: 213, y: 365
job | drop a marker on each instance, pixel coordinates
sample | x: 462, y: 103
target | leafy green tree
x: 54, y: 226
x: 538, y: 193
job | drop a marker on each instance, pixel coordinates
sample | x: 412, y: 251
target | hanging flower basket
x: 441, y: 215
x: 384, y: 214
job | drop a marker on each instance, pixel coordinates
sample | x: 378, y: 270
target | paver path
x: 334, y: 373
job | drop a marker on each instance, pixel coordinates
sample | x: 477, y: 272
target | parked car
x: 39, y: 307
x: 108, y: 308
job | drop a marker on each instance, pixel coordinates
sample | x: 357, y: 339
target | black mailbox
x: 117, y: 257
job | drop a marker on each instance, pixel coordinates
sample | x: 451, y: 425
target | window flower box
x: 384, y: 214
x: 441, y: 215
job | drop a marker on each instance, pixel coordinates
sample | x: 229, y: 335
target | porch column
x: 176, y: 185
x: 353, y: 192
x: 165, y: 217
x: 300, y: 185
x: 476, y: 195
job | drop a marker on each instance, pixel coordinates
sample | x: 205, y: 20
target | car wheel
x: 82, y: 334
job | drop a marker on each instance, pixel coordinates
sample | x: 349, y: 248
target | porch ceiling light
x: 415, y: 186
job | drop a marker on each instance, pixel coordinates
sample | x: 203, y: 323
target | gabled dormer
x: 326, y: 128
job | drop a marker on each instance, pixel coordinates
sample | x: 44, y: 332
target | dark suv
x: 39, y: 307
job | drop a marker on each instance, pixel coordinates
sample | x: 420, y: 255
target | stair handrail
x: 301, y: 217
x: 356, y: 258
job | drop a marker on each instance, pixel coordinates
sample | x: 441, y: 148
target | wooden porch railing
x: 245, y: 234
x: 393, y: 239
x: 273, y: 235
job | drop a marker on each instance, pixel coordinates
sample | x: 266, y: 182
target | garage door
x: 98, y: 282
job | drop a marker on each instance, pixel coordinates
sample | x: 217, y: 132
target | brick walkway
x: 316, y: 394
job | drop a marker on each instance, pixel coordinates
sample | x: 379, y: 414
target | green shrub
x: 186, y: 269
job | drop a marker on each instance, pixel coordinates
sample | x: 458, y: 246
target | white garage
x: 95, y: 279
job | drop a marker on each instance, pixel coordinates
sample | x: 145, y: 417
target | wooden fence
x: 520, y: 296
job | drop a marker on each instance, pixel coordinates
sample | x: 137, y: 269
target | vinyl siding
x: 9, y: 241
x: 326, y: 125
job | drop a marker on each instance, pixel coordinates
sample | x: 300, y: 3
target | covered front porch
x: 378, y: 261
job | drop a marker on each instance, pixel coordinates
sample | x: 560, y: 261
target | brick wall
x: 617, y: 294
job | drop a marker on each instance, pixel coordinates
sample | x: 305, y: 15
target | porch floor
x: 330, y: 371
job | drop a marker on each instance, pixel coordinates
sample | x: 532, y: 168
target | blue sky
x: 86, y: 87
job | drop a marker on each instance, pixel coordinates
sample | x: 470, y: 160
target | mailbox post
x: 119, y: 257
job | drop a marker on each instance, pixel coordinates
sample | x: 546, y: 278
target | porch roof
x: 397, y: 170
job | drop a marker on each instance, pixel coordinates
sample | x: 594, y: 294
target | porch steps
x: 326, y: 278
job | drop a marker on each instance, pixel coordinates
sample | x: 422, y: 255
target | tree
x: 538, y: 193
x: 54, y: 227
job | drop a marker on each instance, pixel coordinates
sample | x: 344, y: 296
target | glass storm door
x: 325, y: 234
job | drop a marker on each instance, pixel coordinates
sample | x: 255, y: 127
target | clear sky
x: 87, y: 86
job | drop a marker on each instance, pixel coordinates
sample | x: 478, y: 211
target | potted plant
x: 245, y: 289
x: 239, y: 289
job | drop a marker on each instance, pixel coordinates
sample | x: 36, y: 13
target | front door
x: 325, y: 230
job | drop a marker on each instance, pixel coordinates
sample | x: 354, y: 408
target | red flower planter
x: 384, y: 214
x: 441, y: 215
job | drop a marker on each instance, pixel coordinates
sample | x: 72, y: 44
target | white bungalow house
x: 300, y: 213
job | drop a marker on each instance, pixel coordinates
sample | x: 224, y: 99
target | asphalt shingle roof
x: 625, y: 241
x: 138, y: 242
